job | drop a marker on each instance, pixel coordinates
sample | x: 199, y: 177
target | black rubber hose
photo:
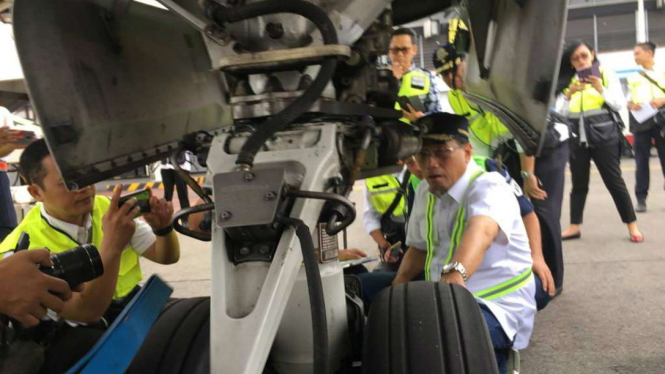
x: 317, y: 301
x: 281, y: 120
x: 184, y: 214
x: 333, y: 228
x: 184, y: 174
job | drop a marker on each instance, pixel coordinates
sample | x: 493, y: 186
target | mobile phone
x: 594, y: 71
x: 23, y: 136
x: 142, y: 200
x: 413, y: 100
x: 394, y: 249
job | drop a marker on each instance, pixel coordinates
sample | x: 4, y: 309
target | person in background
x: 8, y: 144
x: 590, y: 104
x: 412, y: 80
x: 170, y: 178
x: 646, y: 88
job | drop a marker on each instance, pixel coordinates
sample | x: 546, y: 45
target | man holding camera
x: 66, y: 219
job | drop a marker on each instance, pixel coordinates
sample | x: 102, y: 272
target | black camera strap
x: 653, y: 81
x: 398, y: 196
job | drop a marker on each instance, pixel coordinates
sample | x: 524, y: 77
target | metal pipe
x: 640, y: 28
x: 595, y: 33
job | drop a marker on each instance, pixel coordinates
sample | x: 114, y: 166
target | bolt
x: 244, y: 251
x: 275, y: 30
x: 249, y: 177
x: 225, y: 215
x: 264, y: 249
x: 270, y: 196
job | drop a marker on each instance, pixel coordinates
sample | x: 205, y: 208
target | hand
x: 596, y: 83
x: 574, y: 88
x: 26, y: 292
x: 657, y: 103
x: 351, y: 254
x: 8, y: 137
x: 118, y: 223
x: 411, y: 114
x: 454, y: 277
x: 532, y: 190
x: 543, y: 272
x: 398, y: 70
x: 387, y: 256
x: 633, y: 106
x: 161, y: 213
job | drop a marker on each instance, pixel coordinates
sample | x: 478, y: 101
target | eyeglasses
x: 581, y: 56
x: 441, y: 153
x: 398, y: 50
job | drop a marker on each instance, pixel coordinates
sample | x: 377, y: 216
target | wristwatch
x: 525, y: 174
x: 455, y: 266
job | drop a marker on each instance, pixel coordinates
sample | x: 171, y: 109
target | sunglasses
x: 441, y: 153
x: 398, y: 50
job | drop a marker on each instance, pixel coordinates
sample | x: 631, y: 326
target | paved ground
x: 610, y: 317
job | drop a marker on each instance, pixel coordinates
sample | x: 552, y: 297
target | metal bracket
x: 248, y: 63
x: 248, y: 198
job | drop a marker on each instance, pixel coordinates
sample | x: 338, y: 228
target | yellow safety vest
x: 382, y: 191
x: 642, y: 91
x: 490, y: 293
x: 43, y: 235
x: 414, y: 83
x: 484, y: 125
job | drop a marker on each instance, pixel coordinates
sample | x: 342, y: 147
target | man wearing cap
x: 413, y: 82
x: 465, y: 228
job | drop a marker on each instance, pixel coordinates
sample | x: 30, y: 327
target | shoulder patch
x: 517, y: 190
x: 418, y: 82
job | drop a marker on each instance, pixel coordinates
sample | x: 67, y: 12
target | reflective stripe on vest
x: 506, y: 287
x: 589, y: 104
x: 491, y: 293
x: 484, y: 126
x: 458, y: 227
x: 43, y: 235
x: 382, y: 191
x: 407, y: 88
x: 642, y: 91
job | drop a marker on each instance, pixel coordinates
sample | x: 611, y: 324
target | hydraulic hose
x: 280, y: 121
x: 316, y: 300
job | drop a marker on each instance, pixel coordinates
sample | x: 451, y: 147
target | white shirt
x: 508, y: 256
x: 142, y: 240
x: 372, y: 218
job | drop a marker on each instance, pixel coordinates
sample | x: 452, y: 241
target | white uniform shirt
x: 142, y: 239
x: 508, y: 256
x: 372, y: 218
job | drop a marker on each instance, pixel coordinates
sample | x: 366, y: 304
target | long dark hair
x: 567, y: 71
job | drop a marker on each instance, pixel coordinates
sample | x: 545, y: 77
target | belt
x: 4, y: 166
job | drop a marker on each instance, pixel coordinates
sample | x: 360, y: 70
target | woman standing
x: 591, y: 103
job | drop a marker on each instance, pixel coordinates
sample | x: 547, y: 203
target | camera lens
x: 78, y: 265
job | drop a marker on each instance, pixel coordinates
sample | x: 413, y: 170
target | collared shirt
x: 508, y: 256
x: 142, y: 239
x: 372, y: 218
x: 432, y: 102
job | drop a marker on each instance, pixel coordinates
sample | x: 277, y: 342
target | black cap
x: 443, y: 127
x: 446, y: 58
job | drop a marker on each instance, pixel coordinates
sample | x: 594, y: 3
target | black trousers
x: 550, y: 170
x: 171, y: 178
x: 607, y: 159
x: 7, y: 212
x: 642, y: 148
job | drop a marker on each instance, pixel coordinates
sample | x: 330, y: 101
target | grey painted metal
x: 595, y: 33
x: 261, y: 61
x: 524, y: 65
x: 249, y: 300
x: 114, y: 94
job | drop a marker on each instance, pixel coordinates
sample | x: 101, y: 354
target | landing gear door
x: 114, y: 91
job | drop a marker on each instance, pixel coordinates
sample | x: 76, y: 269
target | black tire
x: 427, y: 327
x: 179, y: 342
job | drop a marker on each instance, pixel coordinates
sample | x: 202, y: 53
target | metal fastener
x: 264, y: 249
x: 225, y: 215
x: 244, y: 251
x: 270, y: 196
x: 249, y: 177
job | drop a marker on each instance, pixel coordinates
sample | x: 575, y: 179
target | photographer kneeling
x: 66, y: 219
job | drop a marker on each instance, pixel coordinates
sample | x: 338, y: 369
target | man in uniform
x: 466, y: 228
x: 646, y: 88
x: 413, y: 82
